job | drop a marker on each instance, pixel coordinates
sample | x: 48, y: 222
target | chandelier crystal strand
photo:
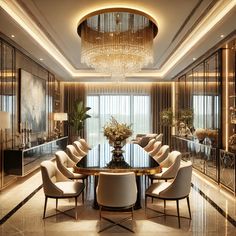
x: 117, y: 43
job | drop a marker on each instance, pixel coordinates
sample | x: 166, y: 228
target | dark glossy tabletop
x: 99, y: 158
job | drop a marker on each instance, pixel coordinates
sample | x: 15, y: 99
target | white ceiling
x: 48, y: 29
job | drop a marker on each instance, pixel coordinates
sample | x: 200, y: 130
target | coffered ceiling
x: 47, y: 29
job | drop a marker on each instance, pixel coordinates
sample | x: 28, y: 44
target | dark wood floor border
x: 219, y: 209
x: 16, y: 208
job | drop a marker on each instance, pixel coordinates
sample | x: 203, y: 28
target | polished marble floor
x: 213, y: 213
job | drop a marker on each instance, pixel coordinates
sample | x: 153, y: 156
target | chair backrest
x: 162, y: 153
x: 84, y: 145
x: 73, y: 154
x: 64, y: 162
x: 78, y: 147
x: 143, y: 141
x: 155, y: 149
x: 149, y: 146
x: 181, y: 185
x: 159, y: 137
x: 50, y: 175
x: 172, y: 163
x: 151, y: 135
x: 116, y: 189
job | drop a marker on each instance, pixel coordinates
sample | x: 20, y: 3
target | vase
x: 117, y: 152
x: 118, y: 160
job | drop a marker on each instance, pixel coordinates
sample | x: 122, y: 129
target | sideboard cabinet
x: 204, y: 157
x: 23, y: 161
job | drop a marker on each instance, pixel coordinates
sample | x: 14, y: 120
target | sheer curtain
x: 126, y: 102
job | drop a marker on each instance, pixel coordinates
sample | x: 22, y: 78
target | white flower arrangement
x: 200, y: 133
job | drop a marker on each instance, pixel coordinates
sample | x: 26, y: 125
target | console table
x: 23, y: 161
x: 204, y: 157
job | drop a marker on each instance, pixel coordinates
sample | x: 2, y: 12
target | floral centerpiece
x: 117, y: 133
x: 201, y: 134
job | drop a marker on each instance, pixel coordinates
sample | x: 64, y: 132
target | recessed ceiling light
x: 13, y: 36
x: 41, y: 59
x: 194, y: 58
x: 222, y: 35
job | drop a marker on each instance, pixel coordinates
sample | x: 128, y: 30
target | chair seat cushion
x: 70, y: 188
x: 76, y: 175
x: 156, y: 188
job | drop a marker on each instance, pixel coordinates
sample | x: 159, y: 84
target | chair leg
x: 189, y: 208
x: 56, y: 203
x: 76, y: 213
x: 164, y: 206
x: 146, y: 205
x: 83, y: 197
x: 177, y: 202
x: 45, y: 206
x: 100, y: 213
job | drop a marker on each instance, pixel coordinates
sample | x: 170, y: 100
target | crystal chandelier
x: 117, y: 41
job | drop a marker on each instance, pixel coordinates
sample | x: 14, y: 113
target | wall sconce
x: 59, y: 117
x: 4, y: 125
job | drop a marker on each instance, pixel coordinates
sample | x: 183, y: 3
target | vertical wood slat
x: 160, y: 99
x: 73, y: 92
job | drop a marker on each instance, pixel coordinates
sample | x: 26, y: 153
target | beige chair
x: 73, y: 154
x: 138, y: 138
x: 155, y: 149
x: 149, y: 146
x: 56, y: 185
x: 162, y: 154
x: 84, y: 145
x: 65, y: 165
x: 170, y: 167
x: 78, y: 147
x: 118, y: 192
x: 159, y: 137
x: 176, y: 190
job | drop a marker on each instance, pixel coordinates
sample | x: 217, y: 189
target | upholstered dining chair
x: 159, y: 137
x: 174, y: 191
x: 162, y: 154
x: 155, y: 149
x: 73, y: 154
x: 117, y: 192
x: 57, y: 186
x: 170, y: 167
x: 84, y: 145
x: 78, y: 147
x: 149, y: 146
x: 65, y: 165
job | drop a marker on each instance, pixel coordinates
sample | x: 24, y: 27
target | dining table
x: 133, y: 159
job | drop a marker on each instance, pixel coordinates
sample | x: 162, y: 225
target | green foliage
x: 78, y: 116
x: 167, y: 117
x: 186, y: 116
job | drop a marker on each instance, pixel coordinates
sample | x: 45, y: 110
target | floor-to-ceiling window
x: 125, y: 103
